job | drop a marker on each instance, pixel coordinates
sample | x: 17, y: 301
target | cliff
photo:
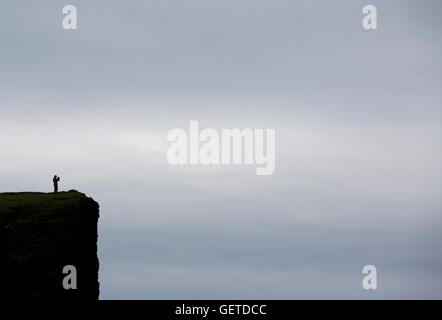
x: 41, y: 233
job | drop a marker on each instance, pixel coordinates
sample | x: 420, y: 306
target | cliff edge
x: 41, y: 233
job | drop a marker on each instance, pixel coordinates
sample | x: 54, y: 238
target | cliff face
x: 41, y: 233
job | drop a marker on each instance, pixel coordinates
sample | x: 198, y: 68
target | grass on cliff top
x: 12, y: 202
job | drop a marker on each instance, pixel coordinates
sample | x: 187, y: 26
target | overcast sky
x: 357, y: 115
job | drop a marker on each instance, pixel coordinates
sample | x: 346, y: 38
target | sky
x: 357, y: 118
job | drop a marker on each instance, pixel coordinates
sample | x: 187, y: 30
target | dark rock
x: 40, y: 234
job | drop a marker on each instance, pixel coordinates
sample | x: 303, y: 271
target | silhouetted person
x: 56, y: 179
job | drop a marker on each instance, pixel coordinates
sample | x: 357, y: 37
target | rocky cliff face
x: 41, y: 233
